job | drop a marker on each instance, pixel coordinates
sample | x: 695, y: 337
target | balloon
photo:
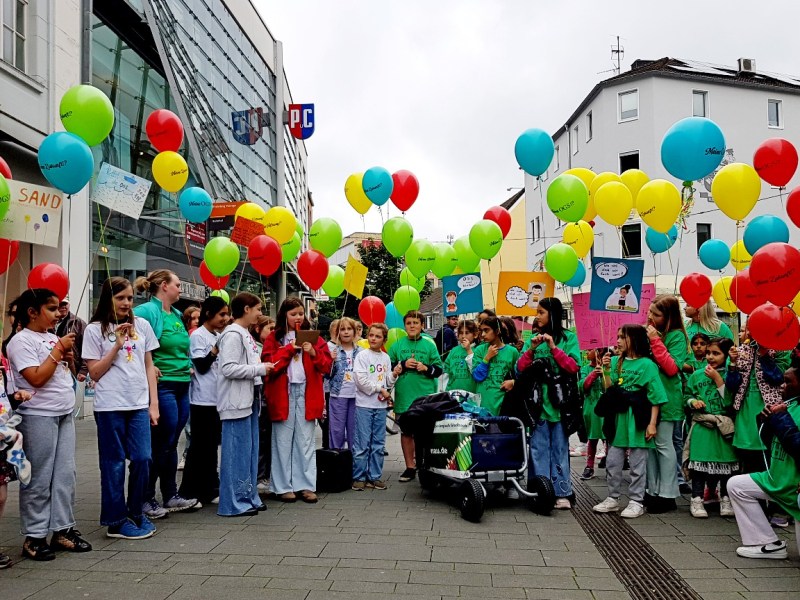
x: 501, y: 216
x: 775, y: 270
x: 446, y: 261
x: 9, y: 250
x: 763, y: 230
x: 371, y: 310
x: 468, y: 261
x: 740, y: 257
x: 795, y: 304
x: 378, y: 185
x: 692, y: 148
x: 775, y: 161
x: 325, y: 235
x: 395, y: 333
x: 397, y: 235
x: 774, y: 327
x: 221, y: 256
x: 579, y: 277
x: 659, y: 204
x: 354, y: 192
x: 170, y: 170
x: 279, y: 224
x: 660, y: 242
x: 408, y: 278
x: 586, y: 176
x: 580, y: 236
x: 5, y: 170
x: 291, y: 249
x: 420, y: 257
x: 195, y: 204
x: 312, y: 266
x: 722, y: 295
x: 567, y: 198
x: 334, y: 282
x: 405, y: 189
x: 406, y: 299
x: 164, y: 130
x: 298, y: 227
x: 744, y: 293
x: 534, y: 150
x: 5, y: 197
x: 634, y: 180
x: 715, y: 255
x: 87, y: 112
x: 793, y: 206
x: 486, y: 238
x: 735, y: 189
x: 561, y: 262
x: 66, y: 161
x: 222, y: 294
x: 601, y: 179
x: 696, y: 289
x: 251, y: 211
x: 49, y: 276
x: 613, y: 203
x: 393, y: 317
x: 265, y: 254
x: 211, y: 280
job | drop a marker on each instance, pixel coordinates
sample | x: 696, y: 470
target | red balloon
x: 793, y: 206
x: 745, y: 295
x: 164, y: 130
x: 211, y: 280
x: 406, y: 189
x: 9, y: 250
x: 501, y: 216
x: 775, y: 161
x: 265, y: 254
x: 49, y: 276
x: 774, y: 327
x: 371, y: 310
x: 312, y: 266
x: 5, y: 170
x: 775, y: 271
x: 696, y: 289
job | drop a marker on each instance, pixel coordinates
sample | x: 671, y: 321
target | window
x: 575, y: 139
x: 699, y: 104
x: 628, y: 160
x: 774, y: 114
x: 536, y: 229
x: 589, y: 126
x: 13, y: 32
x: 632, y: 240
x: 556, y: 161
x: 703, y: 234
x: 628, y: 105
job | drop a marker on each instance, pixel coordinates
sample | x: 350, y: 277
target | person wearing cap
x: 69, y: 322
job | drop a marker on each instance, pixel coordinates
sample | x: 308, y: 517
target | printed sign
x: 355, y: 277
x: 598, y: 328
x: 301, y: 120
x: 462, y: 294
x: 616, y: 284
x: 34, y: 214
x: 248, y: 125
x: 519, y: 292
x: 244, y: 230
x: 120, y: 191
x: 222, y: 215
x: 196, y: 236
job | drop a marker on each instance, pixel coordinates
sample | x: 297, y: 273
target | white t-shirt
x: 203, y: 389
x: 348, y: 389
x: 296, y: 371
x: 124, y: 386
x: 373, y: 371
x: 56, y: 397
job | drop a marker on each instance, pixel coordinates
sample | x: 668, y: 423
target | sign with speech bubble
x: 519, y: 292
x: 598, y: 328
x: 616, y: 284
x: 462, y: 294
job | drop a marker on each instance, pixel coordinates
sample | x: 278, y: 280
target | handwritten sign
x: 120, y: 191
x: 34, y: 214
x: 598, y: 328
x: 244, y: 230
x: 519, y: 292
x: 462, y: 294
x: 616, y: 284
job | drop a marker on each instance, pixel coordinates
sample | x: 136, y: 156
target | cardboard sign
x: 462, y: 294
x: 519, y: 292
x: 616, y: 284
x: 244, y: 230
x: 34, y: 214
x: 355, y: 277
x: 598, y: 328
x: 120, y: 191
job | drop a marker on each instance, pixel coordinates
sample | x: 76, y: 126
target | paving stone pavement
x: 357, y: 545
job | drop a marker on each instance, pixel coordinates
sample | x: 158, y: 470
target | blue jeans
x: 550, y: 456
x: 122, y: 434
x: 370, y: 438
x: 238, y: 468
x: 173, y: 408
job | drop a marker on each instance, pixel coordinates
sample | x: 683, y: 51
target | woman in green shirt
x: 458, y: 364
x: 495, y: 364
x: 705, y: 320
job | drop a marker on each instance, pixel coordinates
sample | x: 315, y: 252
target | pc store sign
x: 301, y: 120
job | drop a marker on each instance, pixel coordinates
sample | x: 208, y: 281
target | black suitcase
x: 334, y: 470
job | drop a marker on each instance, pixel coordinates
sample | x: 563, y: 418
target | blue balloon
x: 378, y: 185
x: 195, y: 204
x: 393, y: 317
x: 660, y: 242
x: 692, y: 148
x: 715, y: 254
x: 66, y: 161
x: 764, y: 230
x: 579, y: 277
x: 534, y: 151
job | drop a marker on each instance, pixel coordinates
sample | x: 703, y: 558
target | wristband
x: 50, y: 356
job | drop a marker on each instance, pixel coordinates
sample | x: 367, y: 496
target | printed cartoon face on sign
x: 616, y: 284
x: 467, y: 299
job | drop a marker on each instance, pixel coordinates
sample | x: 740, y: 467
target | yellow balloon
x: 740, y: 257
x: 252, y: 211
x: 659, y: 204
x: 634, y: 180
x: 580, y: 236
x: 796, y: 304
x: 736, y: 188
x: 170, y: 170
x: 722, y: 295
x: 280, y: 224
x: 613, y: 202
x: 586, y: 176
x: 354, y: 192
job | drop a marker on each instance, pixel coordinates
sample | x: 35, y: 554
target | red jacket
x: 276, y: 384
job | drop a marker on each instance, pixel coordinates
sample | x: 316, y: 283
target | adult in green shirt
x: 173, y: 369
x: 495, y: 363
x: 459, y: 362
x: 705, y: 320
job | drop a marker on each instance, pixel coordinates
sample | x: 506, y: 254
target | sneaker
x: 606, y: 506
x: 358, y: 486
x: 697, y: 509
x: 601, y: 451
x: 378, y: 485
x: 710, y: 496
x: 602, y: 463
x: 70, y: 540
x: 263, y: 486
x: 781, y: 521
x: 511, y: 492
x: 632, y: 511
x: 153, y: 510
x: 181, y: 464
x: 408, y: 475
x: 563, y: 504
x: 177, y: 504
x: 146, y: 523
x: 129, y: 531
x: 37, y: 549
x: 588, y: 473
x: 5, y: 561
x: 215, y: 500
x: 773, y: 550
x: 725, y: 507
x: 579, y: 450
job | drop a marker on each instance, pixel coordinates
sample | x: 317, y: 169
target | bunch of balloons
x: 165, y: 132
x: 376, y: 186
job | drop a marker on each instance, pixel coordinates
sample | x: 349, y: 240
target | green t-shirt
x: 594, y: 424
x: 635, y: 374
x: 501, y: 367
x: 693, y: 328
x: 569, y: 345
x: 707, y: 444
x: 413, y: 384
x: 172, y: 356
x: 696, y: 364
x: 678, y: 349
x: 459, y: 375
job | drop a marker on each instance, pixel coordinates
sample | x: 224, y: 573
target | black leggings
x: 700, y: 480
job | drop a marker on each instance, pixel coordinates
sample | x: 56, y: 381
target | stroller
x: 459, y: 448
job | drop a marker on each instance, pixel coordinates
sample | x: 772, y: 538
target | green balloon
x: 406, y: 299
x: 467, y: 260
x: 395, y: 333
x: 325, y: 236
x: 420, y: 257
x: 568, y: 198
x: 334, y: 283
x: 408, y: 278
x: 5, y: 197
x: 221, y: 256
x: 486, y: 239
x: 446, y: 260
x: 561, y: 262
x: 291, y: 249
x: 87, y: 112
x: 222, y: 294
x: 298, y: 227
x: 397, y: 235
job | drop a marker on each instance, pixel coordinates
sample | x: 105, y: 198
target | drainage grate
x: 638, y: 567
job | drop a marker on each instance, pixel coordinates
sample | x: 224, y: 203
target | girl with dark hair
x: 697, y: 358
x: 458, y: 364
x: 591, y: 385
x: 495, y: 362
x: 549, y: 445
x: 260, y: 332
x: 118, y: 350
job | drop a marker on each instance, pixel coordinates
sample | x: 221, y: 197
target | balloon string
x: 69, y: 246
x: 491, y: 283
x: 5, y: 291
x: 681, y: 231
x: 100, y: 243
x: 241, y: 274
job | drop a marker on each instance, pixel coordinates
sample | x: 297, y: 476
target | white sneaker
x: 697, y: 509
x: 215, y: 500
x: 725, y: 507
x: 606, y: 506
x: 632, y: 511
x: 579, y: 450
x: 263, y: 486
x: 774, y: 550
x: 512, y: 493
x: 563, y: 504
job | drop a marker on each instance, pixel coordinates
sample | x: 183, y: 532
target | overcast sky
x: 444, y: 87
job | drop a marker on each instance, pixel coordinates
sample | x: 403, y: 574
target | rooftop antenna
x: 617, y: 53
